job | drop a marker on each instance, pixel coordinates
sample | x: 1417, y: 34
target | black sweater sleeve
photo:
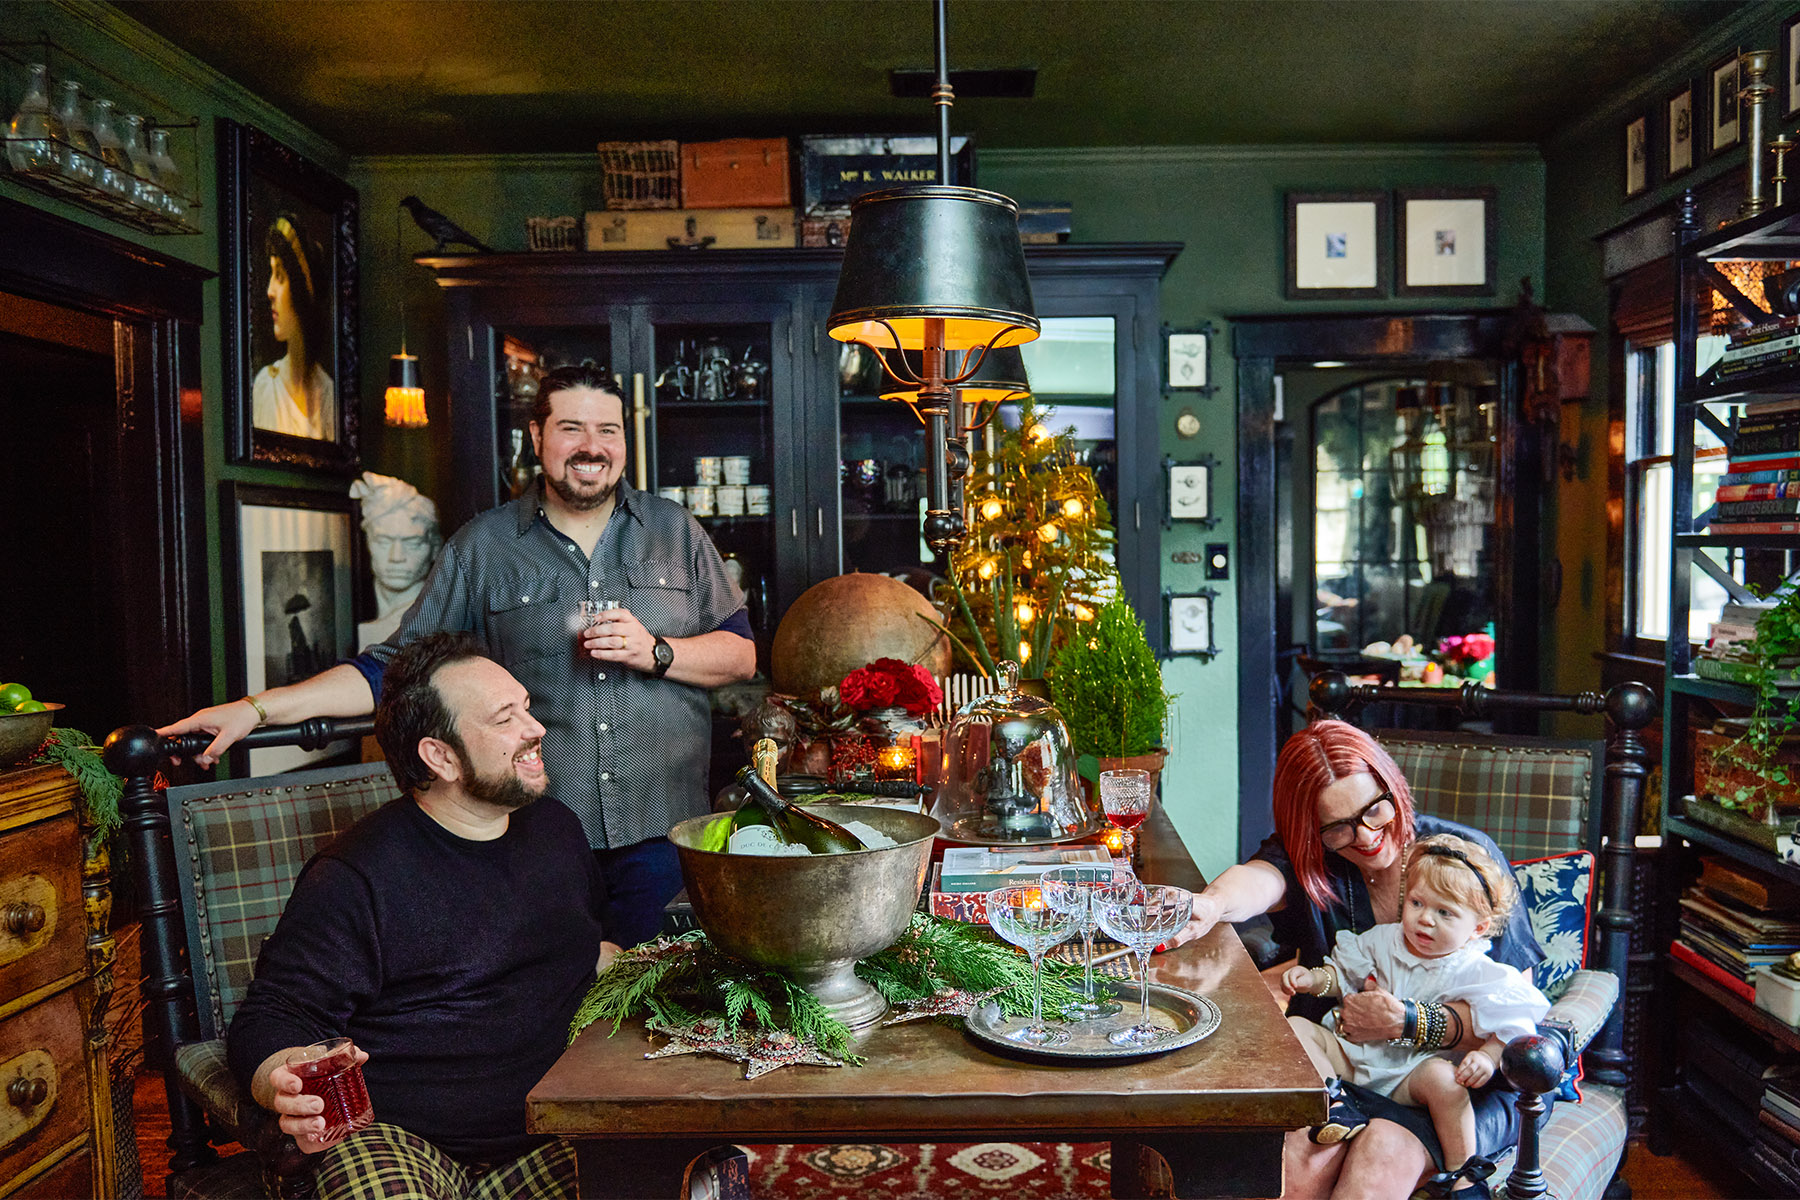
x: 294, y: 1000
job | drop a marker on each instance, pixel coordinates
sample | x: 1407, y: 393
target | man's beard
x: 580, y: 501
x: 505, y: 790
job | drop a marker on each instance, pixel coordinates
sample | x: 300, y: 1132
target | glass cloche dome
x: 1009, y: 772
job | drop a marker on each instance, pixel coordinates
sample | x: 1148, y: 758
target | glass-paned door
x: 1404, y: 478
x: 724, y: 428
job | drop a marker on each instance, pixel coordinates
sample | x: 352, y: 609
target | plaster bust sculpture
x: 401, y: 526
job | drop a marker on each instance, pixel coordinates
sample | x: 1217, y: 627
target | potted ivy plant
x: 1764, y: 753
x: 1107, y: 684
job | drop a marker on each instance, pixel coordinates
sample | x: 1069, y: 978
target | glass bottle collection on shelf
x: 83, y: 150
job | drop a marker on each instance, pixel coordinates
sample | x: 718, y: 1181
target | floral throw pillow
x: 1556, y: 893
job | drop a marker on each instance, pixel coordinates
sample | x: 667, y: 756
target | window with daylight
x: 1649, y: 494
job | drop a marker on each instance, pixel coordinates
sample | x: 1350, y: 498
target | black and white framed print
x: 288, y: 262
x: 1637, y: 156
x: 1337, y: 245
x: 1448, y: 241
x: 1188, y: 621
x: 1187, y: 355
x: 1723, y: 107
x: 1680, y: 125
x: 1188, y: 491
x: 1790, y: 66
x: 293, y: 573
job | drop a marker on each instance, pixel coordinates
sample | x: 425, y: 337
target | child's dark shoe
x: 1472, y: 1175
x: 1342, y: 1122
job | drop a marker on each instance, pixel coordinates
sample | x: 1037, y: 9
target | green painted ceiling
x: 437, y: 76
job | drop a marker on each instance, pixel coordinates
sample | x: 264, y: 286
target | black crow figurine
x: 446, y: 231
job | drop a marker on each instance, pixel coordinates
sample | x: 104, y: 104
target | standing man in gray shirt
x: 624, y: 702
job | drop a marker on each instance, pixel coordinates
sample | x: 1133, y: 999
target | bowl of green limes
x: 24, y: 723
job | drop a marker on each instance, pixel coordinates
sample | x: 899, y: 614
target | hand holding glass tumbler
x: 331, y: 1070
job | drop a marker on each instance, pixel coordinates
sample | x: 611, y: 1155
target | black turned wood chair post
x: 1629, y: 708
x: 1534, y: 1065
x: 135, y: 752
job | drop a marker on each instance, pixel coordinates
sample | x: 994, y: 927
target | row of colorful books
x: 1761, y: 489
x: 1761, y: 347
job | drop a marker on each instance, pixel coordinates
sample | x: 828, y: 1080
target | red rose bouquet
x: 889, y: 683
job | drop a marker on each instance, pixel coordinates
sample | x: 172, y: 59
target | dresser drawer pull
x: 22, y: 917
x: 23, y: 1092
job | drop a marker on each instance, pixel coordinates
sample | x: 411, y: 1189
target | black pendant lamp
x: 936, y: 270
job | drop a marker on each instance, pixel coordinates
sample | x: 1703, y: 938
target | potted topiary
x: 1107, y: 684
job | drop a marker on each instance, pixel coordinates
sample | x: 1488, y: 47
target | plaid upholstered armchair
x: 214, y: 864
x: 1566, y: 813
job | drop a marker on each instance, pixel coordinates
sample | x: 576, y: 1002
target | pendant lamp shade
x: 922, y: 254
x: 1001, y: 376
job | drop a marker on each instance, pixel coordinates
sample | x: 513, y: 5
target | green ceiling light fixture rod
x: 935, y: 270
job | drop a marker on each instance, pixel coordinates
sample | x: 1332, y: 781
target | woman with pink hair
x: 1344, y: 822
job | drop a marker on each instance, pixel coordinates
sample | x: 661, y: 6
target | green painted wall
x: 124, y: 49
x: 1584, y: 192
x: 1224, y: 203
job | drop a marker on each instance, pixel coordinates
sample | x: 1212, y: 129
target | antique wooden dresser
x: 56, y: 961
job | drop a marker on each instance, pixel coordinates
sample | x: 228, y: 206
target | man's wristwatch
x: 664, y: 654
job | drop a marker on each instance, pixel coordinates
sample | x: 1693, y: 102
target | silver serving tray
x: 1188, y: 1017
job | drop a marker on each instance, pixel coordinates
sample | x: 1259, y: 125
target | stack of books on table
x: 960, y: 884
x: 1733, y: 922
x: 1761, y: 489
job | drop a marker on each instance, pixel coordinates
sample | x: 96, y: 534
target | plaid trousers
x: 385, y: 1162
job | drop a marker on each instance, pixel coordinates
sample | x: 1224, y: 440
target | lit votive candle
x: 895, y: 762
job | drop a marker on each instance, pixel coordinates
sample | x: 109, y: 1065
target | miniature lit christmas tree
x: 1038, y: 556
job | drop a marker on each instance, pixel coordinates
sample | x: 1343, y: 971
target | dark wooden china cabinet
x: 728, y: 350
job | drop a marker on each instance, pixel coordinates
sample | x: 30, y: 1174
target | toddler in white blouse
x: 1453, y: 895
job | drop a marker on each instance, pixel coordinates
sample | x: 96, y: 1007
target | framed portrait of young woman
x: 288, y: 264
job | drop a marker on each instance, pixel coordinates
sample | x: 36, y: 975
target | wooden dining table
x: 1216, y: 1111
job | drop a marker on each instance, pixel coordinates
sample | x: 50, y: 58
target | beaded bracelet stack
x: 1426, y: 1025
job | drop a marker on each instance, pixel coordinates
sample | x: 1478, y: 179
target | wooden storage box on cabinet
x: 55, y: 970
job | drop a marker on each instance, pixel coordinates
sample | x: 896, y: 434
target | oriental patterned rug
x: 932, y: 1171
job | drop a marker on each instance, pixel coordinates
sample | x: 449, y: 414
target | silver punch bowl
x: 811, y: 918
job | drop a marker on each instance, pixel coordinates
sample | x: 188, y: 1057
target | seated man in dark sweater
x: 451, y: 934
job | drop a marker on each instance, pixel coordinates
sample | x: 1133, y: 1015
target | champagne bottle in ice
x: 795, y: 823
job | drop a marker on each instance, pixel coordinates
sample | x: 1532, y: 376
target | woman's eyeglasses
x: 1375, y: 814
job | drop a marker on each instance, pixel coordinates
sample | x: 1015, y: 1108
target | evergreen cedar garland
x: 1035, y: 563
x: 681, y: 979
x: 1108, y: 686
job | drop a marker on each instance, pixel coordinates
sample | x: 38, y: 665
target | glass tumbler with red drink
x: 329, y: 1070
x: 1125, y: 795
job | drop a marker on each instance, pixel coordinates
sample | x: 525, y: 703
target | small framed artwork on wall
x: 1723, y: 109
x: 1680, y: 109
x: 1337, y: 245
x: 1637, y: 156
x: 1790, y: 66
x: 1448, y: 240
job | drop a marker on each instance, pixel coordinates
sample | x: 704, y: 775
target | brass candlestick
x: 1753, y: 98
x: 1779, y: 147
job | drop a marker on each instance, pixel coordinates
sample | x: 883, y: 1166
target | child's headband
x: 1459, y: 856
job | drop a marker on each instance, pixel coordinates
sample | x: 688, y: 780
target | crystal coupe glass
x: 1081, y: 891
x: 1148, y: 915
x: 1021, y: 915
